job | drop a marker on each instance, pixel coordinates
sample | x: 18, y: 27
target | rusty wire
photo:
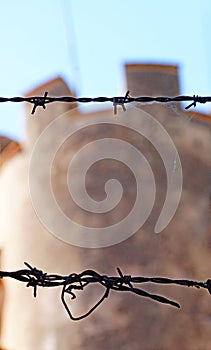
x: 77, y: 282
x: 118, y: 100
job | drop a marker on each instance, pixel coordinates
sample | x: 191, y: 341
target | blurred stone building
x: 181, y: 250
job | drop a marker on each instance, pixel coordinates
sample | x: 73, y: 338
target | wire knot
x: 125, y: 279
x: 108, y: 282
x: 196, y: 99
x: 120, y: 101
x: 33, y: 283
x: 39, y: 101
x: 208, y: 285
x: 39, y: 278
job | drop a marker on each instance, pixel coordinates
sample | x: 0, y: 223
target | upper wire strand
x: 41, y: 101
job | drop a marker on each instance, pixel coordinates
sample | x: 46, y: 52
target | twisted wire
x: 118, y: 100
x: 77, y: 282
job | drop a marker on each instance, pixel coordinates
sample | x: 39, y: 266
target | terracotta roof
x: 4, y: 142
x: 197, y: 115
x: 45, y: 86
x: 151, y: 66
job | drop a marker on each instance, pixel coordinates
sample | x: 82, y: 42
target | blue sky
x: 88, y: 42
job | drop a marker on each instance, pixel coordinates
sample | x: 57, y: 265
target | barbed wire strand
x: 118, y: 100
x: 77, y: 282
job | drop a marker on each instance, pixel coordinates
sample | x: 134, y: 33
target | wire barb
x: 195, y: 100
x: 118, y: 100
x: 77, y: 282
x: 39, y: 101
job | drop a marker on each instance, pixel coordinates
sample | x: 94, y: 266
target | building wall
x: 182, y: 250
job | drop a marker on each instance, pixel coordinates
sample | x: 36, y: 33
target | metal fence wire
x: 77, y: 282
x: 34, y: 277
x: 42, y: 101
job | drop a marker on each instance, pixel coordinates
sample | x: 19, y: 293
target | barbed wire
x: 118, y: 100
x: 77, y: 282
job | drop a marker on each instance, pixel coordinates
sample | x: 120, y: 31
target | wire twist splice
x: 77, y: 282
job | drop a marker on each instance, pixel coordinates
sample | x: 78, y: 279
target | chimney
x: 152, y: 80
